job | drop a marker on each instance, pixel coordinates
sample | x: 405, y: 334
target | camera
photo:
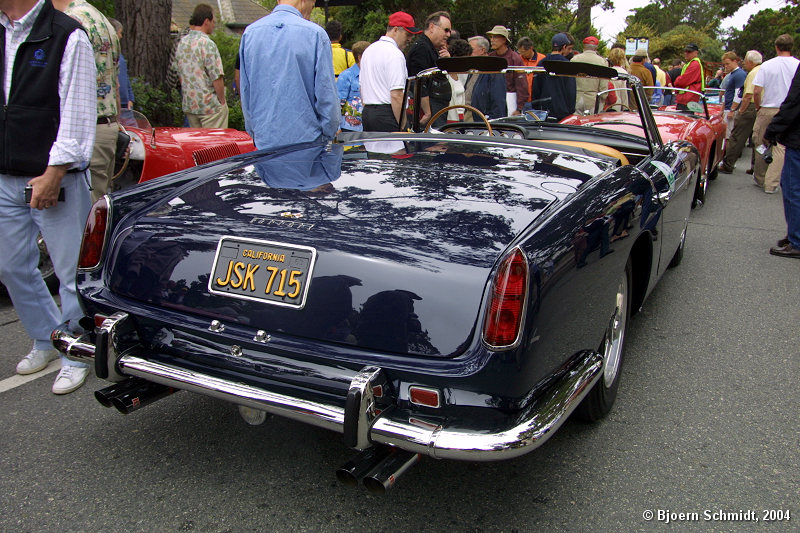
x: 29, y: 193
x: 765, y: 151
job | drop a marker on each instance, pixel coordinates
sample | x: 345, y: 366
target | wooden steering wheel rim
x: 458, y: 106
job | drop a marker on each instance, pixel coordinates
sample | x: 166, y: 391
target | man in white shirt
x: 383, y: 75
x: 46, y: 141
x: 771, y: 85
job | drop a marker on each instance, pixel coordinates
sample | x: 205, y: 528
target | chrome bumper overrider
x: 360, y: 423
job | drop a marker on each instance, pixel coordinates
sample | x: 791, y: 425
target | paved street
x: 706, y: 419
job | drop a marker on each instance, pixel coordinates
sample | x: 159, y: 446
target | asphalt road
x: 706, y: 421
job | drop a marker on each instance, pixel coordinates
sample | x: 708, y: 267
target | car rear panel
x: 402, y: 246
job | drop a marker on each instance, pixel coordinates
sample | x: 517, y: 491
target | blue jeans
x: 790, y: 186
x: 62, y: 229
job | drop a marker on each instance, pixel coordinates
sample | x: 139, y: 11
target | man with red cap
x: 587, y: 88
x: 383, y: 75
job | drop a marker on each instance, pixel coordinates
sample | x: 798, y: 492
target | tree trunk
x: 583, y: 19
x: 146, y: 41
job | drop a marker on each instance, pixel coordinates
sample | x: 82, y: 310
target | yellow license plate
x: 265, y: 271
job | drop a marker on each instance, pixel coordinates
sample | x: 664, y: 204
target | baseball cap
x: 691, y: 47
x: 591, y: 40
x: 403, y: 20
x: 560, y: 40
x: 499, y: 30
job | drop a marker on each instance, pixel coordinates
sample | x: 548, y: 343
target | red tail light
x: 507, y: 302
x: 94, y: 235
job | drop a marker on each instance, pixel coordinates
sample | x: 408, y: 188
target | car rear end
x: 381, y: 295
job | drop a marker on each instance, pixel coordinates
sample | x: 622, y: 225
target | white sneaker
x: 35, y: 361
x: 69, y: 379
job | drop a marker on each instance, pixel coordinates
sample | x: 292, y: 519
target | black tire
x: 678, y: 257
x: 599, y: 401
x: 700, y: 189
x: 46, y: 267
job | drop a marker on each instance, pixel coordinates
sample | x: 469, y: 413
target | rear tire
x: 46, y: 267
x: 598, y: 403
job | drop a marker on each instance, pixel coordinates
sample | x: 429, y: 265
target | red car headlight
x: 94, y: 235
x: 507, y: 301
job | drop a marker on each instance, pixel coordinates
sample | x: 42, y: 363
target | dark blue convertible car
x: 456, y: 294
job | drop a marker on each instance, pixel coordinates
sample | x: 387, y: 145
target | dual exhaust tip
x: 378, y: 468
x: 132, y: 394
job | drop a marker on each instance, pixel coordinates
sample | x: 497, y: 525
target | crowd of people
x: 64, y: 72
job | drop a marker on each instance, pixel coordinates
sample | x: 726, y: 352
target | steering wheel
x: 622, y: 107
x: 444, y: 110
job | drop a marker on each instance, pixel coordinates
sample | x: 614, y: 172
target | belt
x: 106, y: 120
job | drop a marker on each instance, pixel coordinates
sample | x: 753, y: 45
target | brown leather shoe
x: 785, y: 251
x: 783, y: 242
x: 725, y: 169
x: 749, y: 171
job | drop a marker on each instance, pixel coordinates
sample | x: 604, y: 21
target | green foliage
x: 367, y: 21
x: 162, y: 108
x: 670, y: 45
x: 763, y: 28
x: 664, y: 15
x: 228, y: 46
x: 106, y: 7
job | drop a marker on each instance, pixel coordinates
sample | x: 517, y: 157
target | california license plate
x: 270, y: 272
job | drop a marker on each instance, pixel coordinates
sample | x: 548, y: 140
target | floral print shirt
x: 198, y: 64
x: 106, y: 54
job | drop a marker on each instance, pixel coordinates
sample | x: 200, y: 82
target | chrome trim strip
x: 532, y: 428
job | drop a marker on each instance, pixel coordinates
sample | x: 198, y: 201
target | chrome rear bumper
x: 363, y: 426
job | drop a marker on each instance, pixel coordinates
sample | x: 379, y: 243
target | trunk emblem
x: 290, y: 214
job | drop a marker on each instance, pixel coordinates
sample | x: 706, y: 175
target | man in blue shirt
x: 556, y: 95
x: 287, y: 85
x: 735, y: 75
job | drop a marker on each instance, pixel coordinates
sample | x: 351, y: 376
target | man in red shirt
x: 692, y: 77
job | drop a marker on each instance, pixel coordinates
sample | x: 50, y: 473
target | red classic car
x: 703, y: 126
x: 156, y: 151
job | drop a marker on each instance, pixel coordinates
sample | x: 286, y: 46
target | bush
x: 161, y: 107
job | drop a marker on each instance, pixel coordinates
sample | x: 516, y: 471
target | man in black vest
x: 46, y: 139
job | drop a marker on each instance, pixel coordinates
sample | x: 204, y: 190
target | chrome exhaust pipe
x: 383, y: 477
x: 138, y: 397
x: 362, y: 464
x: 104, y: 396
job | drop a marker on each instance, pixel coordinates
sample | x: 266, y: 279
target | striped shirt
x: 77, y: 90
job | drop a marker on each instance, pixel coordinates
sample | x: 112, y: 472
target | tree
x: 583, y: 17
x: 147, y: 45
x: 367, y: 21
x: 762, y: 29
x: 664, y: 15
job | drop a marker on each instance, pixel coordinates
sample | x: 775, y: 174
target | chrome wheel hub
x: 615, y: 336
